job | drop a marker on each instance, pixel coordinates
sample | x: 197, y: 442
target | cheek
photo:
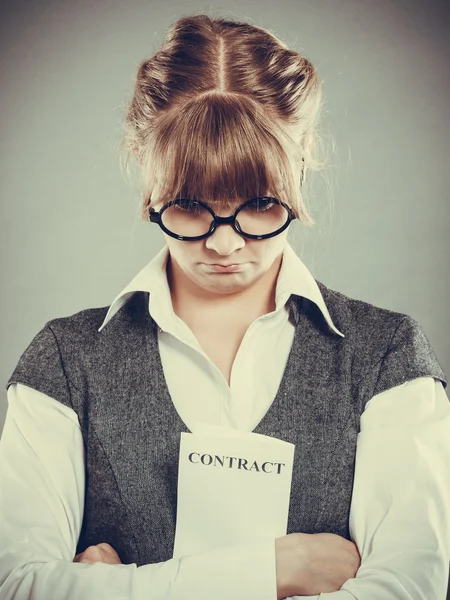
x: 270, y: 250
x: 179, y: 250
x: 187, y: 254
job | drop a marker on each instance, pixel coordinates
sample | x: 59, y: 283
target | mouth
x: 225, y: 268
x: 224, y: 265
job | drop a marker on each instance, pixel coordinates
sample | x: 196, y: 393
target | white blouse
x: 400, y: 508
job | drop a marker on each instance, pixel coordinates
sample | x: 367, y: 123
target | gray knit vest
x: 114, y: 381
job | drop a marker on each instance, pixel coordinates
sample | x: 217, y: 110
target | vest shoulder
x: 87, y: 320
x: 41, y: 364
x: 83, y: 326
x: 358, y: 316
x: 391, y: 344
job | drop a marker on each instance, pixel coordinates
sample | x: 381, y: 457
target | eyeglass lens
x: 260, y: 217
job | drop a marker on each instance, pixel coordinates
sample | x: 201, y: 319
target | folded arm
x: 42, y: 482
x: 400, y: 510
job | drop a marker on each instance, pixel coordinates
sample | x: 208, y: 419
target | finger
x: 78, y: 557
x: 91, y: 554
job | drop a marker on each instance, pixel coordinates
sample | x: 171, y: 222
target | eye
x: 260, y: 204
x: 190, y: 206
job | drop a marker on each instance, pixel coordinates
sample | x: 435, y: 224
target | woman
x: 227, y: 326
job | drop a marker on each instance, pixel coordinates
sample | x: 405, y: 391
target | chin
x: 225, y: 285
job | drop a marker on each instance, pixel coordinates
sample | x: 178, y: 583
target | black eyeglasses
x: 191, y: 220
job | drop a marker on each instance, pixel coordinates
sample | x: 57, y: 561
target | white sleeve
x: 42, y: 484
x: 400, y: 510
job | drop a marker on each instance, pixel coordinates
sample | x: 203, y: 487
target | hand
x: 310, y: 564
x: 102, y: 552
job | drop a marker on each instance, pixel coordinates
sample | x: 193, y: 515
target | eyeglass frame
x: 155, y: 217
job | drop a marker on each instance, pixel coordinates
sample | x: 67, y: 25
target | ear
x: 307, y: 146
x: 138, y: 156
x: 303, y: 172
x: 308, y: 141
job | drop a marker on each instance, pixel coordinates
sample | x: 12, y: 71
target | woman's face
x: 193, y: 263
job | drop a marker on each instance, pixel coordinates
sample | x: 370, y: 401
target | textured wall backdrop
x: 70, y: 232
x: 71, y: 236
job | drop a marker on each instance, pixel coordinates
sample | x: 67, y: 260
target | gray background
x: 71, y: 236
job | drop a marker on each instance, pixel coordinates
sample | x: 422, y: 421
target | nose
x: 225, y: 240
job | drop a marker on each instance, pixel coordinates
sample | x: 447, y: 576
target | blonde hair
x: 223, y: 110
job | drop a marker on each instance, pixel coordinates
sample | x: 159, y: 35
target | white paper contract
x: 233, y: 487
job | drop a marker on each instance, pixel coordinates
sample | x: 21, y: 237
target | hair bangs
x: 219, y: 148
